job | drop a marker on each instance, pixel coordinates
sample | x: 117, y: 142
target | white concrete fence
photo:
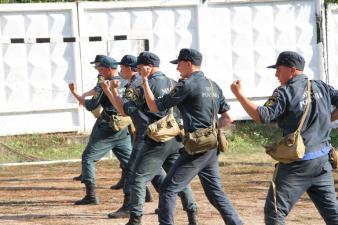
x: 45, y: 46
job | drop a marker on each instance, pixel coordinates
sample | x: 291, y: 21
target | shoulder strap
x: 213, y: 105
x: 308, y: 101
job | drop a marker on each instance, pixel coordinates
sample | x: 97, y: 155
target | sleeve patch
x: 131, y: 94
x: 271, y: 100
x: 177, y: 87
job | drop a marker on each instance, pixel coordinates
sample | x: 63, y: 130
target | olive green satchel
x: 223, y: 144
x: 202, y: 139
x: 333, y: 158
x: 164, y: 129
x: 118, y: 122
x: 291, y: 147
x: 97, y: 111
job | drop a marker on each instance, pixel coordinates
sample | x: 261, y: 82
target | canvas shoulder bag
x: 118, y: 122
x: 97, y: 111
x: 291, y: 147
x: 222, y: 141
x: 164, y: 129
x: 202, y: 139
x: 333, y: 158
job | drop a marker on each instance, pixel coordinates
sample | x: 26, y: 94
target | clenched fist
x: 236, y: 87
x: 72, y: 87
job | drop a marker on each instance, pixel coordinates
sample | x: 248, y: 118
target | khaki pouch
x: 200, y: 141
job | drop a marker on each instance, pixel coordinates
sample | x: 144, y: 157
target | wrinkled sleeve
x: 90, y: 104
x: 177, y: 95
x: 273, y: 107
x: 223, y: 105
x: 98, y: 88
x: 129, y: 107
x: 133, y: 100
x: 93, y: 103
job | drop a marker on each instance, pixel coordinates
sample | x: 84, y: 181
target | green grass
x: 334, y: 137
x: 41, y: 146
x: 247, y: 138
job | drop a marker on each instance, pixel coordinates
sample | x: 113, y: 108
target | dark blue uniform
x: 91, y: 104
x: 103, y: 139
x: 193, y: 97
x: 133, y: 99
x: 153, y: 155
x: 313, y: 173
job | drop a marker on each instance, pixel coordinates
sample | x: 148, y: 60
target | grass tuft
x: 247, y: 138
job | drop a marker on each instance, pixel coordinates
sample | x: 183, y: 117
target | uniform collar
x: 118, y: 77
x: 297, y: 78
x: 133, y: 78
x: 156, y: 74
x: 196, y: 75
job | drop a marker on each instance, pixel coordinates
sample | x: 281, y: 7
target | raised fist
x: 72, y: 87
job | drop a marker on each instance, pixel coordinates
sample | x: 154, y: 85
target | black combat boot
x: 78, y: 178
x: 134, y: 220
x: 120, y: 183
x: 90, y: 198
x: 192, y: 218
x: 149, y: 197
x: 122, y: 212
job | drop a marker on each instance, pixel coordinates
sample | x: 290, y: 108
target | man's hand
x: 72, y: 87
x: 105, y: 86
x: 249, y: 106
x: 236, y: 87
x: 225, y: 121
x: 115, y: 83
x: 145, y: 71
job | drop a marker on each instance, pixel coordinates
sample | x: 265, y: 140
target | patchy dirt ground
x: 44, y: 194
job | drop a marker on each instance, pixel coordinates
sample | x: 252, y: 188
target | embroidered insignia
x: 100, y: 79
x: 131, y: 94
x: 271, y: 100
x: 176, y: 88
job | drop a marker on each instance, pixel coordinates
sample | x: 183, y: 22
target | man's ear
x: 189, y: 64
x: 293, y: 70
x: 150, y: 67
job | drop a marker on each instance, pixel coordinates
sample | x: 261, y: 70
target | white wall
x: 33, y: 77
x: 332, y: 37
x: 237, y: 38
